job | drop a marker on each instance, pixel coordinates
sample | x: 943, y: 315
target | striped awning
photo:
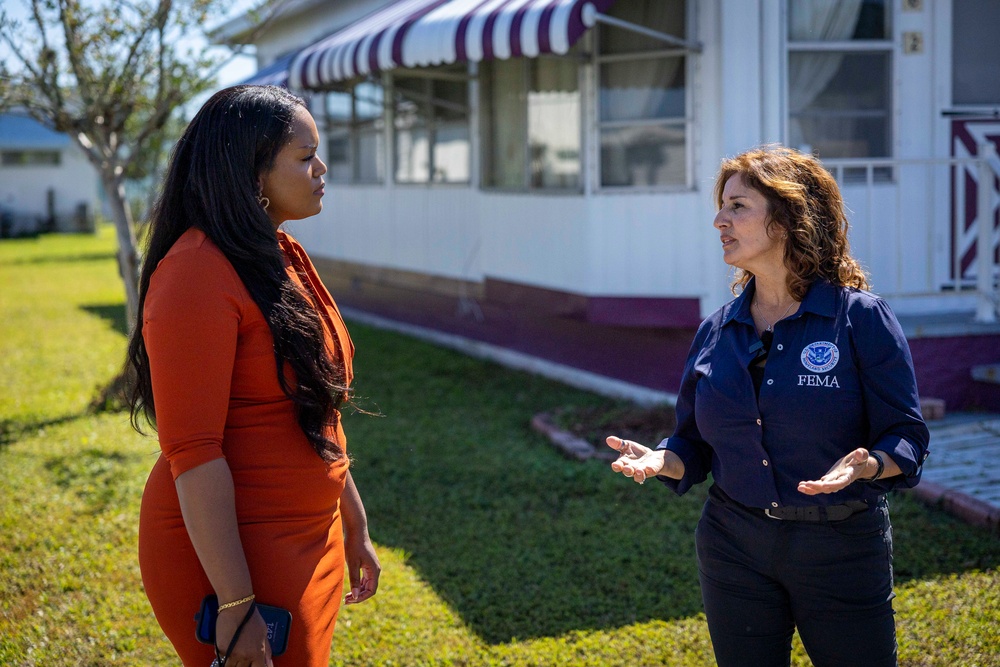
x: 275, y: 74
x: 420, y: 33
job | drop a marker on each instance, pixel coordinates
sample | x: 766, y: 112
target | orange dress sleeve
x: 191, y: 317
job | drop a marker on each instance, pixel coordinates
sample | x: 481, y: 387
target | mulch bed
x: 580, y: 431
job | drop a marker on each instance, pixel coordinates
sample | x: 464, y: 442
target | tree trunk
x: 128, y: 255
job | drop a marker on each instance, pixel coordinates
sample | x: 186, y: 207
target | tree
x: 111, y: 74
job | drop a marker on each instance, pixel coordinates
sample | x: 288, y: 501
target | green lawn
x: 496, y: 550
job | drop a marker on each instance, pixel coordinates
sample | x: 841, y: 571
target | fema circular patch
x: 821, y: 356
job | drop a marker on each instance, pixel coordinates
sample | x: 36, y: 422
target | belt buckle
x: 767, y: 512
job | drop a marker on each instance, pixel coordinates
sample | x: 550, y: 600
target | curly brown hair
x: 805, y: 205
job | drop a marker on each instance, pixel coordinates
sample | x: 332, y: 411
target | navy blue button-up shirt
x: 839, y: 376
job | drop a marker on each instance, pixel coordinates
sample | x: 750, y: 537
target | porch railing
x: 926, y: 230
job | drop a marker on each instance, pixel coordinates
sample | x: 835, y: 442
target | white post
x: 986, y: 310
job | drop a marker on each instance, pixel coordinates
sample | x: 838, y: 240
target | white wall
x: 622, y: 245
x: 74, y: 181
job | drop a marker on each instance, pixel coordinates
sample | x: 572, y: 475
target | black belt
x: 818, y: 512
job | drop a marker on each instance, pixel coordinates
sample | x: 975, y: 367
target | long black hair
x: 212, y: 184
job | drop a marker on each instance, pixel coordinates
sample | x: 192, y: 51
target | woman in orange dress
x: 242, y: 361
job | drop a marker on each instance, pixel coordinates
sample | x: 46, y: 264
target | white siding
x: 74, y: 182
x: 647, y: 245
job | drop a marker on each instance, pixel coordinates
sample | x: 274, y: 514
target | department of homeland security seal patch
x: 821, y: 356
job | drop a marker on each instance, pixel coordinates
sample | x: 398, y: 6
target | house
x: 46, y: 182
x: 537, y: 174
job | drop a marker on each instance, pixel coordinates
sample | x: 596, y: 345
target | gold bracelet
x: 237, y: 603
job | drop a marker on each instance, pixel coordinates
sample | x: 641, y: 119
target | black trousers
x: 761, y: 578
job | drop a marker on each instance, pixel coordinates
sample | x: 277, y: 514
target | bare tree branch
x: 109, y: 74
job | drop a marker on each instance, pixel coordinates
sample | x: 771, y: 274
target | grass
x: 496, y: 550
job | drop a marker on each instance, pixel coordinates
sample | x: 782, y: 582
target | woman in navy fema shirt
x: 799, y: 398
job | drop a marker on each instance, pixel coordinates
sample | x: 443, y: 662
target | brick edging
x: 566, y: 442
x: 962, y: 505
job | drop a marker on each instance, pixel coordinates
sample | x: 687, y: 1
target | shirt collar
x: 739, y: 308
x: 821, y: 299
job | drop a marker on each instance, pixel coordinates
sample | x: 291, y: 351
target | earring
x: 263, y: 201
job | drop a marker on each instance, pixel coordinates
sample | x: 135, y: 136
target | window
x: 531, y: 123
x: 30, y: 158
x: 431, y: 123
x: 975, y: 72
x: 642, y: 101
x: 839, y: 78
x: 355, y: 124
x: 532, y: 109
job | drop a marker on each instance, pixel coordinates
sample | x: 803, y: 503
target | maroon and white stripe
x: 420, y: 33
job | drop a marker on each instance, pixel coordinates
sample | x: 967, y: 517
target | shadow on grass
x: 12, y: 430
x: 110, y: 397
x: 113, y: 314
x: 93, y: 475
x: 523, y: 543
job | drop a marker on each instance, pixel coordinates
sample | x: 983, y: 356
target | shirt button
x: 758, y: 422
x: 780, y: 346
x: 774, y: 504
x: 765, y: 462
x: 770, y: 381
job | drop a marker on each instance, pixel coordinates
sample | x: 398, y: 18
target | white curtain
x: 643, y: 89
x: 810, y: 73
x: 505, y: 125
x: 637, y: 89
x: 554, y: 123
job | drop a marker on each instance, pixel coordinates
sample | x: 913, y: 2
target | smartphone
x: 278, y: 620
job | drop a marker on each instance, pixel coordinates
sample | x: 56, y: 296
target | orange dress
x: 216, y: 393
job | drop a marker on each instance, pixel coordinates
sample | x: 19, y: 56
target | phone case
x: 278, y: 620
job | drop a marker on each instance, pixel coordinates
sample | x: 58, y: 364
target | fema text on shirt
x: 819, y: 381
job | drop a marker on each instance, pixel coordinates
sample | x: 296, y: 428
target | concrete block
x: 566, y: 442
x: 932, y: 408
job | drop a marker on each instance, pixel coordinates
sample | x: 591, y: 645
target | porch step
x: 986, y: 373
